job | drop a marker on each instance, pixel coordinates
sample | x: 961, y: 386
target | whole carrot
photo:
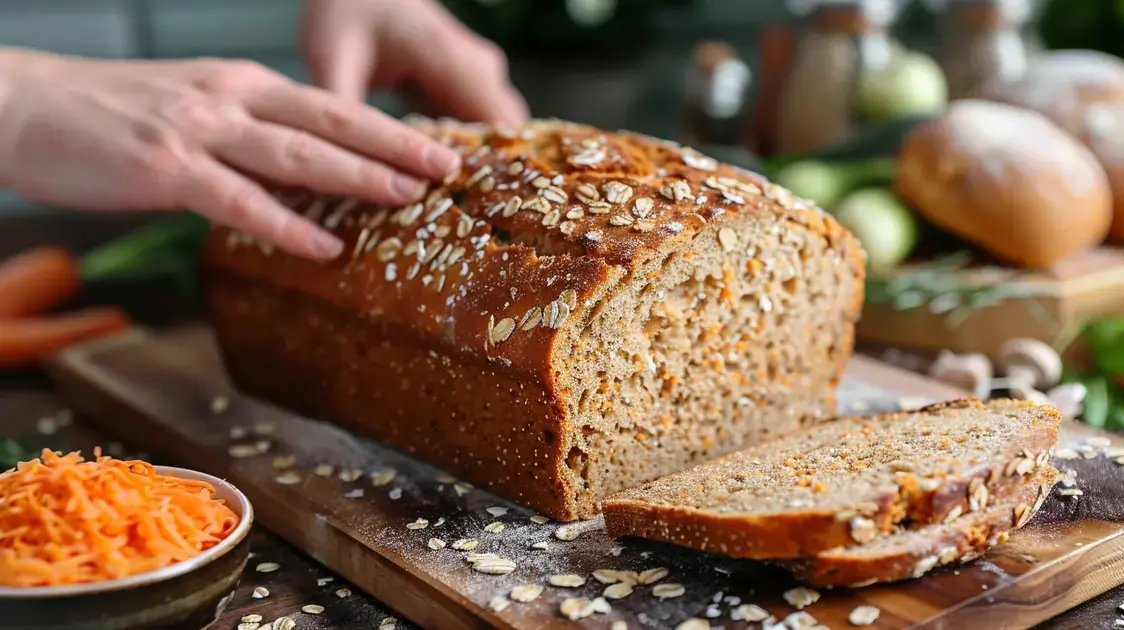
x: 28, y: 341
x: 37, y: 281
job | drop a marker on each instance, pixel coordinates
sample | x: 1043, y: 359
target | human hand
x: 352, y: 46
x: 171, y: 135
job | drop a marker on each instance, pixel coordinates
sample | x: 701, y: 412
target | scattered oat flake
x: 526, y: 592
x: 249, y: 626
x: 574, y: 608
x: 446, y: 479
x: 436, y: 543
x: 395, y: 494
x: 284, y: 462
x: 494, y: 566
x: 800, y: 620
x: 383, y: 477
x: 749, y: 612
x: 288, y: 478
x: 567, y: 533
x: 651, y: 576
x: 540, y: 519
x: 354, y: 493
x: 348, y: 475
x: 616, y: 550
x: 494, y: 527
x: 863, y: 616
x: 388, y: 623
x: 499, y: 603
x: 800, y: 597
x: 694, y: 623
x: 343, y: 592
x: 568, y: 580
x: 466, y: 544
x: 312, y: 609
x: 1097, y: 441
x: 539, y: 545
x: 219, y: 404
x: 619, y: 625
x: 1067, y: 453
x: 251, y: 619
x: 237, y: 432
x: 243, y: 450
x: 267, y: 567
x: 421, y: 523
x: 323, y: 470
x: 260, y: 592
x: 284, y: 623
x: 668, y: 590
x: 321, y: 581
x: 619, y: 590
x: 462, y: 488
x: 497, y: 511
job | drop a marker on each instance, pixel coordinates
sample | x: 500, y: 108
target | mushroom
x: 970, y: 372
x: 1021, y: 392
x: 1068, y: 398
x: 1029, y: 363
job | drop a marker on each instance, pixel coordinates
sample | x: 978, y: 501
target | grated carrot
x: 64, y: 520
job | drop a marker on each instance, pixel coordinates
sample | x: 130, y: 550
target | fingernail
x: 442, y: 160
x: 408, y: 186
x: 325, y: 245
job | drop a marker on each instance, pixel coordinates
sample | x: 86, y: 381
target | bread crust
x: 964, y: 539
x: 451, y: 329
x: 803, y: 533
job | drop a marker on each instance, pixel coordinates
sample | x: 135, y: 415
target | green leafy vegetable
x: 12, y: 453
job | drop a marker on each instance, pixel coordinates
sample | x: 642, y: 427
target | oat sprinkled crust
x: 846, y: 483
x: 576, y: 312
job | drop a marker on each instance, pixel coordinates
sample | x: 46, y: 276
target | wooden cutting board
x: 1054, y: 302
x: 158, y: 389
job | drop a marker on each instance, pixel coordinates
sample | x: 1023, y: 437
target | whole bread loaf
x: 845, y: 483
x: 576, y: 313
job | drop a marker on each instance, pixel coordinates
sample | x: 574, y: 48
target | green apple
x: 886, y: 228
x: 912, y: 84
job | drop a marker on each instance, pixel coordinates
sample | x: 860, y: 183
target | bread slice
x: 845, y: 482
x: 577, y: 312
x: 911, y: 553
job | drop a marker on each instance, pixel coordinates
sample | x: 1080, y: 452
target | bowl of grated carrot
x: 108, y: 544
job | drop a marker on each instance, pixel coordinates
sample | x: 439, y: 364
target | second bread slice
x: 846, y: 482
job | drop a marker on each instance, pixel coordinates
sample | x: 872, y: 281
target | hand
x: 172, y: 135
x: 354, y: 45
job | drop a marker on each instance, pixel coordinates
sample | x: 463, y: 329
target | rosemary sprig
x: 940, y: 286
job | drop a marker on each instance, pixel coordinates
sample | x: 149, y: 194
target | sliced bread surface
x: 845, y: 482
x: 911, y: 553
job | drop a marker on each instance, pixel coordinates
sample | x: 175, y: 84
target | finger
x: 342, y: 66
x: 296, y: 158
x: 470, y: 82
x: 226, y: 197
x: 362, y: 129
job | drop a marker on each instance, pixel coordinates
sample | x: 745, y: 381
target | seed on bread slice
x: 911, y: 553
x: 845, y: 482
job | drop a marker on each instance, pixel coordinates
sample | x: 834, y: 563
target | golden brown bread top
x: 525, y: 240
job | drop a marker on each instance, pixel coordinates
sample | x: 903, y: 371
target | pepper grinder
x: 983, y: 43
x: 817, y: 106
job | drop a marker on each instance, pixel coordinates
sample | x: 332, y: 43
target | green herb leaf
x: 1106, y: 341
x: 1097, y: 401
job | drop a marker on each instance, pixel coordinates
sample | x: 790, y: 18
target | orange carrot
x: 36, y: 281
x: 26, y: 342
x: 64, y: 520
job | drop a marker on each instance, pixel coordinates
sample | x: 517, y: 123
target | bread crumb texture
x: 574, y: 313
x: 847, y: 482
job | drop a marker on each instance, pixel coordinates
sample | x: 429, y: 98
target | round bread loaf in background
x: 1008, y: 180
x: 1083, y: 92
x: 1104, y: 134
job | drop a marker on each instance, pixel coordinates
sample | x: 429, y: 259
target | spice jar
x: 718, y: 90
x: 983, y: 43
x: 842, y: 38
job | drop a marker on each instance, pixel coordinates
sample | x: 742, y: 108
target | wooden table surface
x: 27, y: 398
